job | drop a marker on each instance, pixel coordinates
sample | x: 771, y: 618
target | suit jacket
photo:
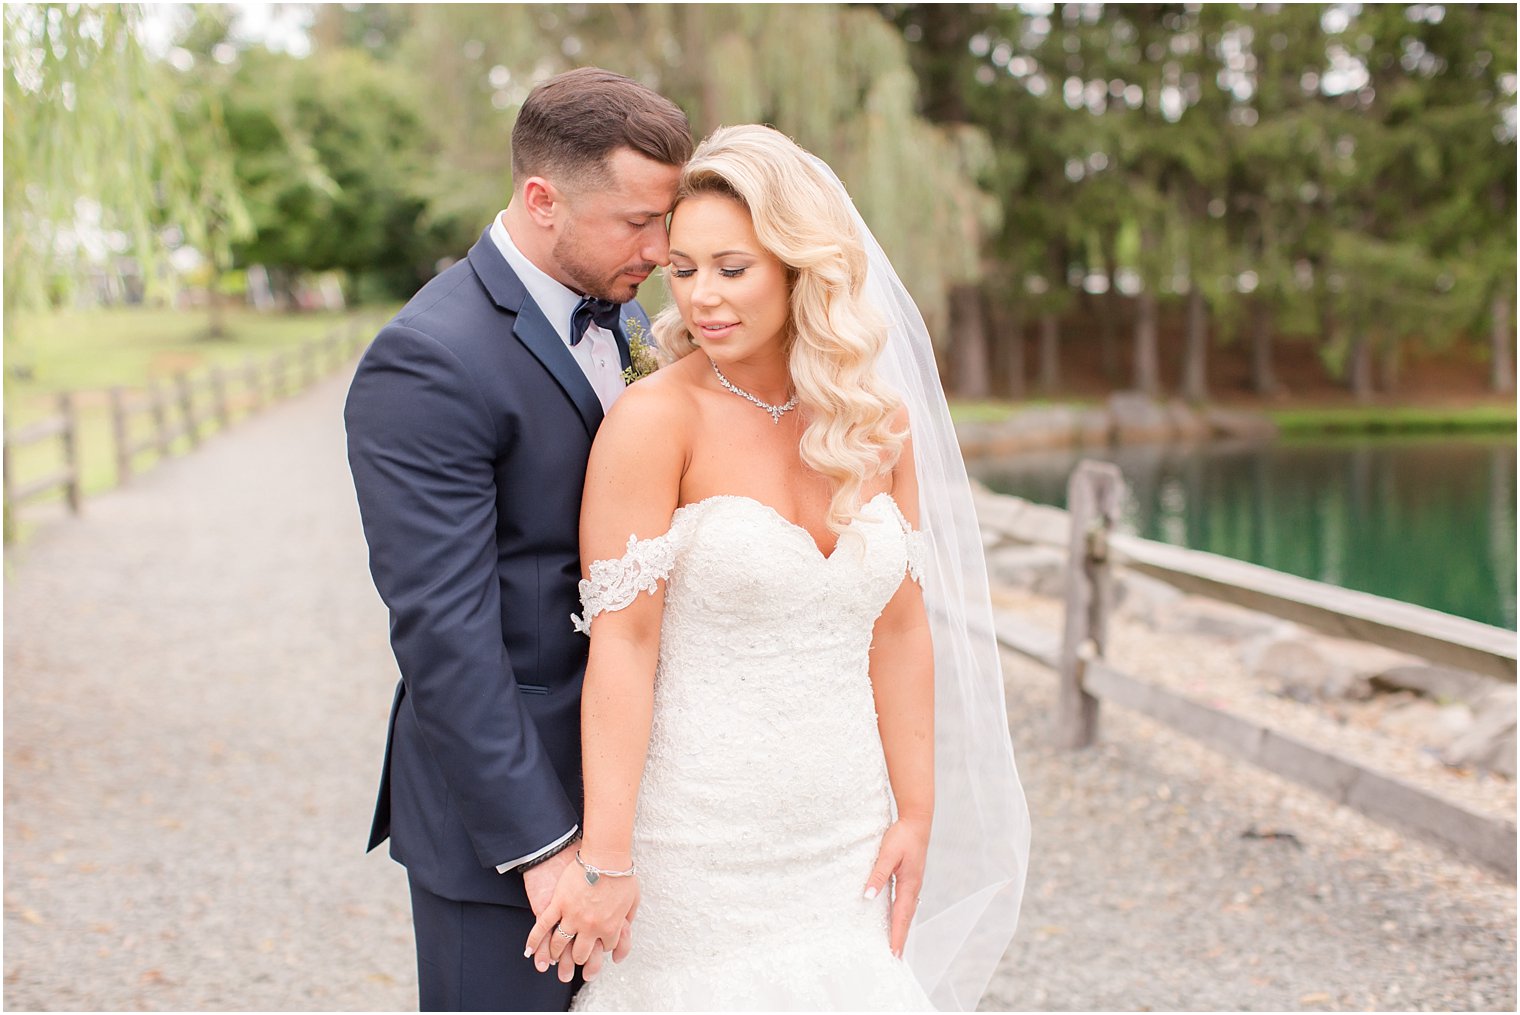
x: 469, y: 424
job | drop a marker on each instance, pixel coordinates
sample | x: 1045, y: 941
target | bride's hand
x: 901, y: 860
x: 597, y: 916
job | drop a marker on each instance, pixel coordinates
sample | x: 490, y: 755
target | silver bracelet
x: 595, y: 873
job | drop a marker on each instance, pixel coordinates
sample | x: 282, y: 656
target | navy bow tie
x: 604, y: 312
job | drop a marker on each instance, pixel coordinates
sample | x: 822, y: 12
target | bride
x: 798, y: 780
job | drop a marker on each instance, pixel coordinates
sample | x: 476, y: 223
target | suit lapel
x: 534, y: 331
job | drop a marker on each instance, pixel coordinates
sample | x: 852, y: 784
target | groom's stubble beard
x: 574, y: 259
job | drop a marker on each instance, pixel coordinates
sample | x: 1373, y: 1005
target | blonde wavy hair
x: 832, y: 339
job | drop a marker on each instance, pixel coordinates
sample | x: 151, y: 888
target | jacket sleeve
x: 422, y: 444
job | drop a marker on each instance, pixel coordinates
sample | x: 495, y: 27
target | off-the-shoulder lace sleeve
x: 614, y: 584
x: 918, y: 545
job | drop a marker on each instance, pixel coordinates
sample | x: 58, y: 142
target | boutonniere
x: 640, y: 352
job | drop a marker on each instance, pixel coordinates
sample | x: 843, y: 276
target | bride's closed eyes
x: 688, y: 272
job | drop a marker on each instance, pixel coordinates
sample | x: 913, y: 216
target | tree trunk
x: 1359, y: 367
x: 947, y: 31
x: 697, y: 38
x: 968, y: 344
x: 216, y: 311
x: 1110, y: 310
x: 1147, y: 356
x: 1050, y: 352
x: 1329, y: 324
x: 1195, y: 379
x: 1388, y: 366
x: 1007, y: 323
x: 1502, y: 337
x: 1056, y: 262
x: 282, y: 283
x: 1263, y: 376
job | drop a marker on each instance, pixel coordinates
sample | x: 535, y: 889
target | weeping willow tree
x: 836, y: 79
x: 93, y: 145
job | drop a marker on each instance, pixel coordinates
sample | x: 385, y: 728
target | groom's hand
x: 596, y: 918
x: 539, y: 881
x: 593, y: 966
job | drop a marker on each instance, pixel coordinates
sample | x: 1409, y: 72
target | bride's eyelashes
x: 725, y: 272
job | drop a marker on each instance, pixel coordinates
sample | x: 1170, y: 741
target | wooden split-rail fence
x: 180, y: 411
x: 1087, y: 675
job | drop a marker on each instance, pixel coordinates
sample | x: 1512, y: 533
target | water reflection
x: 1425, y: 520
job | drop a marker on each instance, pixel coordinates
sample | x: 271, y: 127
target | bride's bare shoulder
x: 656, y: 412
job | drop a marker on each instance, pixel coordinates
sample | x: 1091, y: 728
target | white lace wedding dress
x: 765, y: 794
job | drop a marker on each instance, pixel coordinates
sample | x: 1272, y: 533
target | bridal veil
x: 979, y: 846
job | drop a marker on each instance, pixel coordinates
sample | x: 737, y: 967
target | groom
x: 469, y: 423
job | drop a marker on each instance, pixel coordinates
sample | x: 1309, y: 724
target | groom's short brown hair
x: 572, y: 123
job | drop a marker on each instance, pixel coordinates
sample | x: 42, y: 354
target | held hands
x: 901, y: 860
x: 583, y: 921
x: 539, y: 881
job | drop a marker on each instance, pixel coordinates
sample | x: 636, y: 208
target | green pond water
x: 1428, y: 520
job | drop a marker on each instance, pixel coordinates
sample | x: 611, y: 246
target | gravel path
x: 1147, y: 892
x: 197, y: 678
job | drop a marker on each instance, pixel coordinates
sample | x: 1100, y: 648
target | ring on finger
x: 561, y: 932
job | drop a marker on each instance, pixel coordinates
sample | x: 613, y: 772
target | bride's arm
x: 902, y: 679
x: 632, y: 485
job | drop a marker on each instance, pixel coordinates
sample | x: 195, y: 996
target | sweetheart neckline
x: 783, y: 519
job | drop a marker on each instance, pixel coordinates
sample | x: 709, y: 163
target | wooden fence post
x: 219, y: 397
x: 70, y: 438
x: 160, y: 417
x: 187, y: 407
x: 122, y: 434
x: 1093, y: 497
x: 277, y: 376
x: 254, y: 384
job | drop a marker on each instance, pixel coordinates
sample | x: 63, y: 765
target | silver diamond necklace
x: 775, y: 410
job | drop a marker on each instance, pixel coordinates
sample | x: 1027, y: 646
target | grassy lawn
x: 1481, y: 418
x: 1300, y: 421
x: 94, y: 349
x: 982, y: 412
x: 88, y: 352
x: 994, y: 411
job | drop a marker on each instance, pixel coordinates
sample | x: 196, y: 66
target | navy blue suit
x: 469, y: 424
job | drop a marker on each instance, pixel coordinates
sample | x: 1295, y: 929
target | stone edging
x: 1127, y: 418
